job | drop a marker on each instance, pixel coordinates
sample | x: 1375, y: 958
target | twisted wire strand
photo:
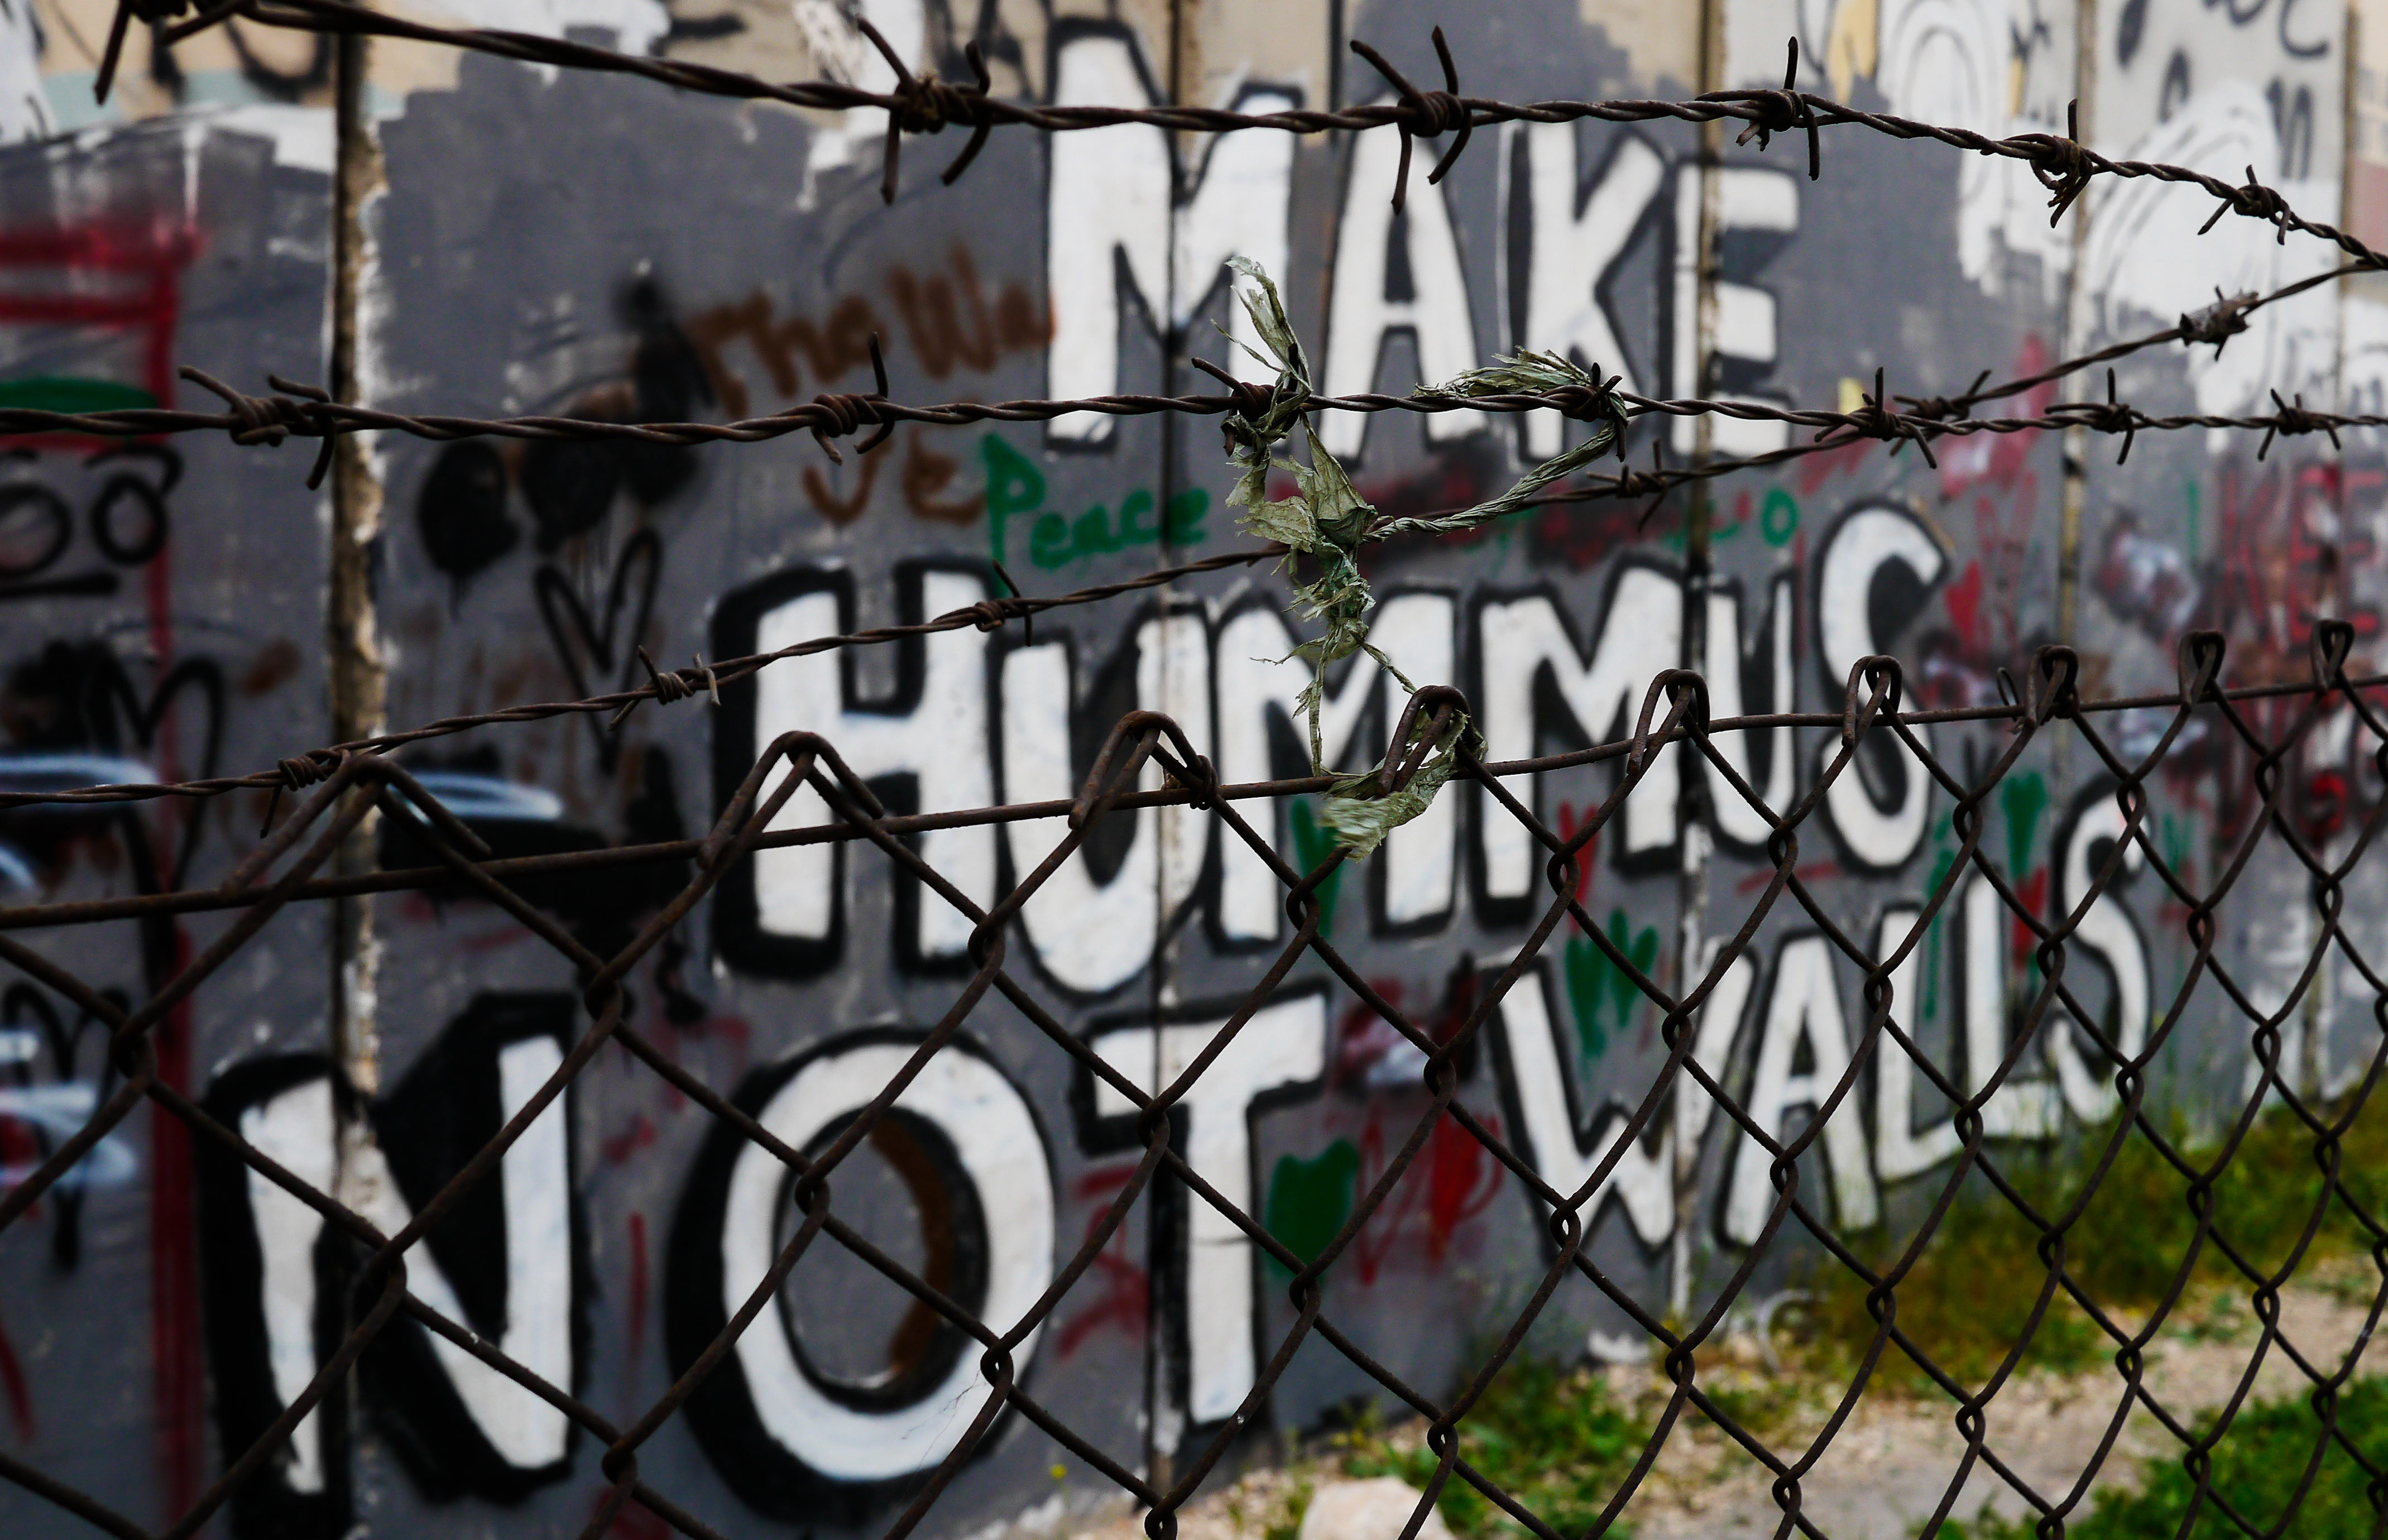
x: 1837, y: 430
x: 924, y: 106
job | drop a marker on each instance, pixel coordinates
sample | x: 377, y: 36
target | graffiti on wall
x: 617, y: 1238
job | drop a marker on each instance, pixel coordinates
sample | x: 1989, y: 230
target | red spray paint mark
x: 1462, y: 1178
x: 1127, y: 1300
x: 12, y: 1381
x: 1459, y: 1182
x: 2032, y: 891
x: 19, y: 1153
x: 637, y: 1335
x: 1587, y: 859
x: 1963, y: 598
x: 635, y: 1521
x: 180, y: 1387
x: 128, y: 281
x: 618, y: 1148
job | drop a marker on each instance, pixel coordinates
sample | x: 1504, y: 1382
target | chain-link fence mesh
x: 1701, y: 1090
x: 1799, y: 1204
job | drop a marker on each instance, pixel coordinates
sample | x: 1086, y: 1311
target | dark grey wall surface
x: 604, y: 248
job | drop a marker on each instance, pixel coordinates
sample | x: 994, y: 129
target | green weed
x: 2258, y: 1468
x: 1288, y: 1525
x: 1554, y: 1439
x: 1971, y: 1296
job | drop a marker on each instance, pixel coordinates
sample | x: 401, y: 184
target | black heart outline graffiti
x: 644, y: 551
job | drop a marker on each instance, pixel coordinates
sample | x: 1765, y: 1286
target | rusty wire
x: 346, y: 783
x: 282, y: 869
x: 256, y: 421
x: 925, y: 105
x: 297, y: 410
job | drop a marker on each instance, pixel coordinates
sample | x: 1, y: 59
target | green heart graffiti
x: 1593, y: 980
x: 1312, y: 843
x: 1309, y: 1199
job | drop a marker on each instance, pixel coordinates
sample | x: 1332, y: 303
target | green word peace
x: 1015, y: 490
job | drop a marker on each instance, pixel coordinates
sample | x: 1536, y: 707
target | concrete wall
x: 535, y: 242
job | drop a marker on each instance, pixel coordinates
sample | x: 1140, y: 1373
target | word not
x: 986, y: 1171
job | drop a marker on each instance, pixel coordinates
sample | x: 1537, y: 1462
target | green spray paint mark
x: 2023, y: 799
x: 1778, y: 519
x: 2178, y: 848
x: 1587, y: 976
x: 60, y: 393
x: 1015, y: 492
x: 1014, y: 485
x: 1944, y: 856
x: 1594, y: 980
x: 1312, y: 843
x: 1055, y: 542
x: 1309, y: 1199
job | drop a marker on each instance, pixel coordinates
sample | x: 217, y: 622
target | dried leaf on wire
x: 1361, y: 822
x: 1526, y: 373
x: 1253, y: 440
x: 1327, y: 520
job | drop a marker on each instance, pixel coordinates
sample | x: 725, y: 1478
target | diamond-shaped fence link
x: 2257, y: 731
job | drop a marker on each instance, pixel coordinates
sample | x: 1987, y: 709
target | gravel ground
x: 1887, y: 1467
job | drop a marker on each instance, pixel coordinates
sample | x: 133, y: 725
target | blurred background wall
x: 434, y: 232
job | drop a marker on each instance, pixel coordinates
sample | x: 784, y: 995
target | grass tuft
x: 1972, y: 1297
x: 1555, y: 1439
x: 2258, y: 1468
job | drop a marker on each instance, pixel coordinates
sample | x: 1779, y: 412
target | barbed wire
x: 2010, y: 712
x: 267, y: 420
x: 924, y: 105
x: 302, y: 410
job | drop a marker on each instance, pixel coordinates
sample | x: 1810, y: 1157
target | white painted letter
x: 1900, y: 1152
x: 1360, y: 313
x: 1644, y: 1182
x: 1749, y: 197
x: 1109, y: 198
x: 1281, y: 1045
x: 2020, y: 1108
x: 995, y: 1143
x: 1421, y: 858
x: 1573, y: 252
x: 2106, y: 930
x: 294, y: 1130
x: 1095, y: 936
x: 942, y: 740
x: 1640, y: 637
x: 1735, y: 819
x: 1859, y: 548
x: 1806, y: 1003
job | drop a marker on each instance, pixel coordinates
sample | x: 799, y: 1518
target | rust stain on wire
x: 335, y: 788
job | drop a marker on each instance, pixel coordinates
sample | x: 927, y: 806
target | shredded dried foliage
x: 1328, y: 521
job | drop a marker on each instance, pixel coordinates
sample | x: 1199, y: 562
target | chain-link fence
x: 2262, y: 730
